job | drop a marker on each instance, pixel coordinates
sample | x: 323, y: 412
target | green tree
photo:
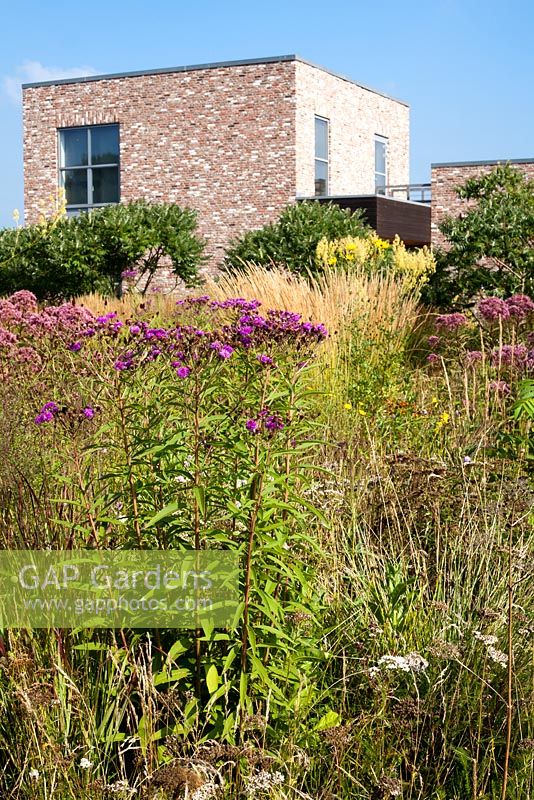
x: 490, y: 246
x: 292, y: 240
x: 64, y: 258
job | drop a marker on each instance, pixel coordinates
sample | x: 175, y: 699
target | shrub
x: 292, y: 240
x: 68, y: 256
x: 490, y: 246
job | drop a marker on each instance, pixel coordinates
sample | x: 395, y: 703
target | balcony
x: 391, y: 215
x: 414, y: 192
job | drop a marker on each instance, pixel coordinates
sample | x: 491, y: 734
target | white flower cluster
x: 34, y: 774
x: 412, y: 662
x: 205, y: 792
x: 487, y: 640
x: 263, y: 781
x: 498, y: 656
x: 85, y: 763
x: 121, y: 787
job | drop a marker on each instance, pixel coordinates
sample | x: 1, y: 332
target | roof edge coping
x: 210, y: 65
x: 494, y: 162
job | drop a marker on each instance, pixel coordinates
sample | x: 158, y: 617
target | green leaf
x: 170, y: 677
x: 168, y: 511
x: 329, y: 720
x: 200, y: 496
x: 212, y: 679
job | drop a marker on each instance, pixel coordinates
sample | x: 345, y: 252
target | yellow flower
x: 443, y: 420
x: 435, y: 401
x: 362, y: 411
x: 347, y: 406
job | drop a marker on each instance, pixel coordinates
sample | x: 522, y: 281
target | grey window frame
x: 322, y: 160
x: 382, y: 140
x: 76, y: 207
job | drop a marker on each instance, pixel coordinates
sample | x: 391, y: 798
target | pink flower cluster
x: 510, y: 355
x: 451, y: 322
x: 22, y: 324
x: 519, y: 306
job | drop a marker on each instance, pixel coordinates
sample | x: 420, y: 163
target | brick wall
x: 446, y: 177
x: 355, y: 115
x: 219, y: 140
x: 234, y: 141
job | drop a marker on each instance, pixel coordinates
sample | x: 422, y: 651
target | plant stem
x: 131, y: 483
x: 509, y: 671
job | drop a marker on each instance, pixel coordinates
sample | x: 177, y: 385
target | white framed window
x: 381, y: 164
x: 89, y: 166
x: 321, y: 156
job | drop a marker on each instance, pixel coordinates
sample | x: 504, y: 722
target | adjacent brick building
x: 235, y: 140
x: 446, y: 177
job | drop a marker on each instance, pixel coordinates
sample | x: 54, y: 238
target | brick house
x: 447, y: 176
x: 235, y: 140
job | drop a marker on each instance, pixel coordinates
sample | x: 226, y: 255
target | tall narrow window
x: 89, y: 166
x: 381, y: 164
x: 321, y: 157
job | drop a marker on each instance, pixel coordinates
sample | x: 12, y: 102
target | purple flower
x: 103, y: 320
x: 74, y: 347
x: 237, y: 302
x: 128, y: 273
x: 183, y: 372
x: 156, y: 333
x: 451, y: 322
x: 251, y: 425
x: 225, y: 351
x: 43, y: 416
x: 493, y: 308
x: 245, y: 330
x: 433, y: 358
x: 519, y: 305
x: 263, y: 359
x: 433, y: 341
x: 123, y: 363
x: 88, y: 412
x: 273, y: 422
x: 135, y: 329
x: 47, y: 413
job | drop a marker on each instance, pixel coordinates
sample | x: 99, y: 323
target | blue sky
x: 465, y: 66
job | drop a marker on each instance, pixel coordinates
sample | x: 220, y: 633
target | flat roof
x: 212, y: 65
x: 483, y: 163
x: 333, y: 197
